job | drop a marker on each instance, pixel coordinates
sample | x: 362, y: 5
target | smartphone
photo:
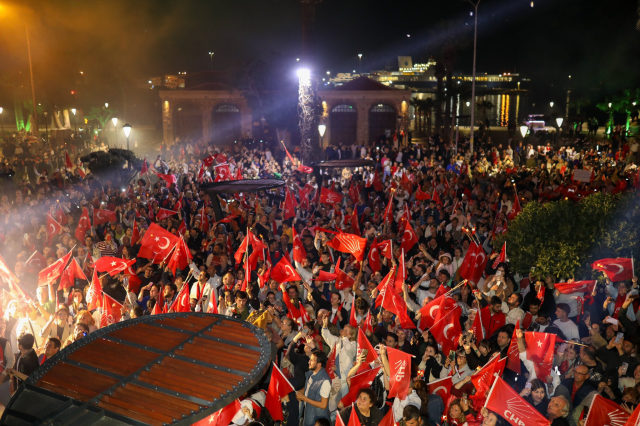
x: 527, y: 385
x: 498, y: 273
x: 612, y: 320
x: 305, y: 330
x: 619, y: 337
x: 624, y: 367
x: 365, y: 352
x: 452, y: 355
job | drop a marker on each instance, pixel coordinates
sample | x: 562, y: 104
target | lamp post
x: 106, y: 104
x: 321, y: 129
x: 359, y: 63
x: 523, y: 130
x: 551, y: 104
x: 473, y: 78
x: 46, y: 126
x: 2, y: 118
x: 127, y: 131
x: 33, y: 89
x: 75, y: 120
x: 211, y: 57
x: 114, y: 120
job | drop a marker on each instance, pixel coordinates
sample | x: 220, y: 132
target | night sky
x: 595, y: 41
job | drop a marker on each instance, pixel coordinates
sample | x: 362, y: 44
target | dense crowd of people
x: 390, y: 316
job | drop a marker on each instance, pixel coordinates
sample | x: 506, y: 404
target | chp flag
x: 506, y: 402
x: 605, y: 412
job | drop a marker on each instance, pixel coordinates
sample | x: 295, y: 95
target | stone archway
x: 382, y: 122
x: 187, y: 121
x: 225, y: 123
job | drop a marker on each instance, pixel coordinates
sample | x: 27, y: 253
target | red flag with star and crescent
x: 513, y: 354
x: 157, y: 243
x: 180, y: 257
x: 409, y: 237
x: 540, y: 350
x: 576, y: 287
x: 283, y: 272
x: 433, y: 311
x: 221, y: 417
x: 182, y: 302
x: 53, y: 228
x: 358, y: 382
x: 374, y: 256
x: 279, y: 387
x: 619, y: 269
x: 69, y: 275
x: 474, y: 263
x: 112, y: 265
x: 84, y: 224
x: 299, y: 253
x: 447, y: 330
x: 170, y: 179
x: 101, y: 216
x: 35, y: 263
x: 53, y: 271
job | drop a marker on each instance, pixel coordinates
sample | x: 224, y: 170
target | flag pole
x: 461, y: 283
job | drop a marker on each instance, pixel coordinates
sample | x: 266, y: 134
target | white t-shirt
x: 569, y: 329
x: 325, y: 389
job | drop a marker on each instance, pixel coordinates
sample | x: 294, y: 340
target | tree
x: 563, y: 238
x: 101, y: 115
x: 117, y: 165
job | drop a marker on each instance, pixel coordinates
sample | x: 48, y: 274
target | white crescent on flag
x: 620, y: 268
x: 446, y: 328
x: 160, y: 246
x: 484, y: 256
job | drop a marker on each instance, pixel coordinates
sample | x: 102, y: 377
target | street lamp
x: 114, y: 120
x: 551, y: 104
x: 75, y: 119
x: 305, y: 76
x: 211, y: 57
x: 127, y: 131
x: 46, y: 126
x: 321, y: 129
x: 559, y: 120
x: 106, y: 104
x: 473, y: 78
x: 523, y: 130
x: 360, y: 63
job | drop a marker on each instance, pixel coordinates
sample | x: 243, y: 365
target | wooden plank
x: 192, y: 324
x: 161, y: 397
x: 68, y: 375
x: 122, y: 362
x: 253, y: 356
x: 165, y: 372
x: 148, y: 335
x: 64, y: 391
x: 146, y: 377
x: 131, y: 407
x: 149, y: 405
x: 157, y: 398
x: 232, y: 336
x: 204, y: 371
x: 129, y: 414
x: 217, y: 357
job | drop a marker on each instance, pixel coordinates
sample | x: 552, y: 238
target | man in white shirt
x: 568, y: 327
x: 511, y: 309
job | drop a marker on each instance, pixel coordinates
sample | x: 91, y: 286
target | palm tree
x: 101, y: 115
x: 423, y: 108
x: 484, y: 106
x: 609, y: 105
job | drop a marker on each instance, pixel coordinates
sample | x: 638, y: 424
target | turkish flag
x: 328, y: 196
x: 35, y: 263
x: 433, y: 311
x: 135, y: 234
x: 111, y: 311
x: 354, y: 192
x: 409, y: 237
x: 483, y: 379
x: 388, y: 420
x: 502, y: 258
x: 181, y: 304
x: 477, y: 328
x: 513, y: 355
x: 112, y: 265
x: 540, y: 350
x: 204, y: 220
x: 331, y: 363
x: 53, y: 228
x: 180, y: 257
x: 59, y: 215
x: 618, y: 269
x: 516, y: 209
x: 603, y: 411
x: 145, y: 167
x: 304, y: 169
x: 368, y: 322
x: 283, y: 272
x: 157, y: 243
x: 208, y: 162
x: 53, y: 271
x: 67, y: 161
x: 421, y: 195
x: 84, y: 224
x: 576, y: 287
x: 400, y: 373
x: 69, y: 275
x: 358, y: 382
x: 474, y: 263
x: 164, y: 213
x: 386, y: 248
x: 170, y: 179
x: 436, y: 197
x: 447, y: 330
x: 299, y: 253
x: 406, y: 183
x: 505, y: 401
x: 374, y: 256
x: 377, y: 182
x: 394, y: 303
x: 222, y: 172
x: 353, y: 317
x: 343, y: 280
x: 289, y: 205
x: 101, y: 216
x: 242, y: 249
x: 158, y: 308
x: 355, y: 226
x: 441, y: 387
x: 279, y: 387
x: 349, y: 243
x: 201, y: 172
x: 363, y: 343
x: 221, y: 417
x: 93, y: 297
x: 388, y: 212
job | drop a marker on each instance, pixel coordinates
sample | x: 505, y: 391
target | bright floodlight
x: 609, y: 104
x: 1, y: 110
x: 304, y: 75
x: 127, y: 129
x: 106, y: 104
x: 559, y: 121
x: 73, y: 110
x: 360, y: 55
x: 523, y: 130
x: 321, y: 129
x: 468, y: 103
x: 115, y: 121
x: 551, y: 104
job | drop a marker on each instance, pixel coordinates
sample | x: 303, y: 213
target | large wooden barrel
x: 155, y: 370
